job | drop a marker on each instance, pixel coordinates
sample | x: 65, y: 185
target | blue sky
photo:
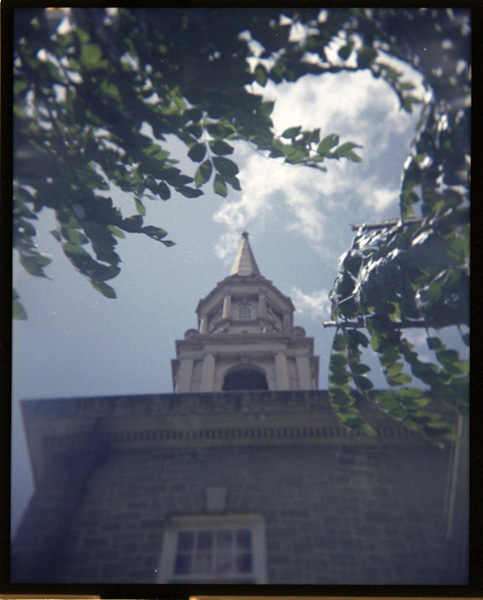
x: 78, y: 343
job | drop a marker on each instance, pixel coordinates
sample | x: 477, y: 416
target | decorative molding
x: 233, y: 436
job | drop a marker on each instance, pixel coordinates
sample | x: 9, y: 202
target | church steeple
x: 245, y: 263
x: 246, y: 338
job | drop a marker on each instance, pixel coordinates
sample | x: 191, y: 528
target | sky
x: 77, y: 343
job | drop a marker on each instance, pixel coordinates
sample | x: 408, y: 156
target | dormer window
x: 245, y: 312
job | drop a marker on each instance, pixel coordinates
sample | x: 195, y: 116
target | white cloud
x: 309, y: 203
x: 315, y: 305
x: 378, y: 198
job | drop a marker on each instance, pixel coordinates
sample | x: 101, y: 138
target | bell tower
x: 246, y: 339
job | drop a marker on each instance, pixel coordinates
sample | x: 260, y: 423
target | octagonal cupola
x: 245, y: 302
x: 246, y: 338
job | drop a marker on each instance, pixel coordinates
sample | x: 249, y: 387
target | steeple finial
x: 245, y: 263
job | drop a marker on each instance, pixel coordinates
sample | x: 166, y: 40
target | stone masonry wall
x: 338, y: 508
x: 345, y: 513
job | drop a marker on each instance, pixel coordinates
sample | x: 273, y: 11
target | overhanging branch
x: 388, y: 224
x: 361, y: 325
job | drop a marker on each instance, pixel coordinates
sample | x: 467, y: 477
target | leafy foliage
x: 414, y: 271
x: 98, y: 92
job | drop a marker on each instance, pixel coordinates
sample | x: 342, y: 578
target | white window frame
x: 255, y: 523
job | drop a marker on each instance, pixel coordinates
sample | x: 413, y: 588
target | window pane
x: 244, y: 563
x: 182, y: 565
x: 224, y: 540
x: 224, y: 564
x: 244, y: 539
x: 205, y: 540
x: 185, y: 541
x: 202, y: 564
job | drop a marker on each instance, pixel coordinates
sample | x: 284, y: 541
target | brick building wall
x: 338, y: 508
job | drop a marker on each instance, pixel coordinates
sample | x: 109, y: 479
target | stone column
x: 185, y: 373
x: 303, y: 369
x: 287, y: 324
x: 203, y: 323
x: 262, y: 306
x: 281, y: 371
x: 227, y: 306
x: 208, y: 374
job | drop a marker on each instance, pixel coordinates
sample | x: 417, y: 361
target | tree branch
x: 388, y: 224
x: 361, y: 325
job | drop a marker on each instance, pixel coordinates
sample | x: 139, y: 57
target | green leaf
x: 75, y: 250
x: 189, y: 192
x: 221, y: 148
x: 359, y: 368
x: 327, y: 143
x: 19, y: 87
x: 116, y: 231
x: 168, y: 243
x: 291, y: 132
x: 73, y: 235
x: 197, y: 152
x: 90, y: 55
x: 105, y: 289
x: 358, y: 337
x: 338, y: 377
x: 293, y: 155
x: 340, y: 342
x: 363, y: 383
x: 18, y: 311
x: 132, y: 224
x: 344, y: 148
x: 447, y: 356
x: 368, y: 430
x: 401, y: 379
x: 234, y: 182
x: 342, y: 400
x: 225, y: 166
x: 338, y: 359
x: 434, y: 343
x: 366, y: 56
x: 219, y: 186
x: 315, y: 136
x: 394, y: 369
x: 261, y: 75
x: 111, y: 90
x: 89, y: 177
x: 140, y: 207
x: 164, y: 191
x: 154, y: 232
x: 352, y: 156
x: 155, y: 151
x: 267, y: 108
x: 35, y: 263
x: 203, y: 173
x: 345, y: 51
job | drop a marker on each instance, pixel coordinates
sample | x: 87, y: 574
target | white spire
x: 245, y: 263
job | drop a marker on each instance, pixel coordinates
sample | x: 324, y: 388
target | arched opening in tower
x: 245, y: 379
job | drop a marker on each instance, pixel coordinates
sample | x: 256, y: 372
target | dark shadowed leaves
x: 225, y: 166
x: 203, y: 173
